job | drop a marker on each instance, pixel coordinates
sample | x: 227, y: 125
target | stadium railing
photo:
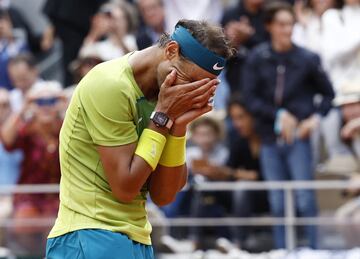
x: 289, y: 220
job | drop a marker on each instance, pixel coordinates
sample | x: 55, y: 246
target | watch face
x: 161, y: 118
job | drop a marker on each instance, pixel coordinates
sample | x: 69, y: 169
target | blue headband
x: 197, y: 53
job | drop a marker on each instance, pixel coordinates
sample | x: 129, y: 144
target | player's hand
x: 176, y: 100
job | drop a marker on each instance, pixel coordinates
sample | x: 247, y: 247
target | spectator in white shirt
x: 308, y: 29
x: 210, y: 10
x: 341, y: 43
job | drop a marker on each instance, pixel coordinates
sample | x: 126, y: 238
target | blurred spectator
x: 23, y: 75
x: 206, y: 134
x: 37, y: 136
x: 9, y: 161
x: 342, y: 57
x: 83, y: 64
x: 245, y: 29
x: 309, y: 27
x: 244, y: 159
x: 116, y: 22
x: 152, y: 13
x: 10, y: 46
x: 349, y: 102
x: 22, y: 26
x: 209, y: 10
x: 280, y: 82
x: 71, y: 22
x: 79, y: 68
x: 205, y: 160
x: 313, y: 31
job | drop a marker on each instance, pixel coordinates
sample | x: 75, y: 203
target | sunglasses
x: 46, y: 101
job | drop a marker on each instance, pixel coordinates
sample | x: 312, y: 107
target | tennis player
x: 124, y: 137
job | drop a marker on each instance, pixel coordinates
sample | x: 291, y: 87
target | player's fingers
x: 170, y: 79
x: 204, y: 110
x: 202, y: 100
x: 193, y: 85
x: 206, y: 88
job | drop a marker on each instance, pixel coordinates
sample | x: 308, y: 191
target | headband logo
x: 216, y: 67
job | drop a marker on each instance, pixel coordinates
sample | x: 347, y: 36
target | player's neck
x: 144, y: 64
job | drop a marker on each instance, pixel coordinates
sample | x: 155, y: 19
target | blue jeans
x: 281, y: 162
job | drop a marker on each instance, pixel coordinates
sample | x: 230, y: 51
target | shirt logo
x: 216, y: 67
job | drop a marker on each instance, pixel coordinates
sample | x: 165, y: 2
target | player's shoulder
x: 111, y: 72
x: 109, y: 78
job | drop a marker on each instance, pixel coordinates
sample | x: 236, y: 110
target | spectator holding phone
x: 111, y: 33
x: 35, y: 131
x: 280, y: 82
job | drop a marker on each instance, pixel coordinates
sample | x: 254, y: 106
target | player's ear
x: 172, y: 50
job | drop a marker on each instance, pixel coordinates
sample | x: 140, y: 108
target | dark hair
x: 207, y: 121
x: 160, y: 2
x: 4, y: 14
x: 273, y: 8
x: 236, y: 99
x: 337, y: 4
x: 26, y: 58
x: 210, y: 36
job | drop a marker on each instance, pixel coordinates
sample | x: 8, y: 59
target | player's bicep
x: 116, y: 162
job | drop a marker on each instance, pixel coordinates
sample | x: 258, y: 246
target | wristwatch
x: 160, y: 119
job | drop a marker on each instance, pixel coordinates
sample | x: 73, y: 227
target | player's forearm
x: 166, y: 182
x: 129, y: 166
x: 170, y: 175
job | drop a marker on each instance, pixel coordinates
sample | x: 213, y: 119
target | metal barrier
x: 289, y: 220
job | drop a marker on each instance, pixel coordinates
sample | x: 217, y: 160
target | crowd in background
x: 288, y: 100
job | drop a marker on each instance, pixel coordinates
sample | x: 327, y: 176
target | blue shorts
x: 96, y: 244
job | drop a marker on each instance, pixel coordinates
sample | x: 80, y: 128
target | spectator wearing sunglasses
x: 35, y: 131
